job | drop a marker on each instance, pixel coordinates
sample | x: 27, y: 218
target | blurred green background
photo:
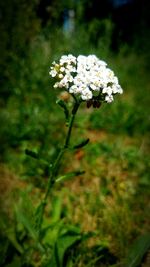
x: 111, y: 199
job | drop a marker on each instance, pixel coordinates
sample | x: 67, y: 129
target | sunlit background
x: 110, y: 201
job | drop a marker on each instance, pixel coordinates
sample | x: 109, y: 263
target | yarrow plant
x: 86, y: 79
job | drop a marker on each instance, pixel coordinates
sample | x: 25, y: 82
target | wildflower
x: 86, y: 77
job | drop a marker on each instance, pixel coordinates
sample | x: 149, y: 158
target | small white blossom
x: 86, y: 94
x: 62, y: 69
x: 60, y: 76
x: 107, y: 90
x: 53, y: 72
x: 86, y: 76
x: 109, y: 98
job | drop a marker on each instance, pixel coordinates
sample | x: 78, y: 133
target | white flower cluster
x: 86, y: 76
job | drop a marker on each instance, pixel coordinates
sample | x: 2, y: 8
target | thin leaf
x: 12, y: 238
x: 57, y: 209
x: 138, y: 250
x: 30, y: 227
x: 82, y: 144
x: 38, y: 217
x: 23, y: 219
x: 36, y: 155
x: 69, y: 175
x: 32, y: 154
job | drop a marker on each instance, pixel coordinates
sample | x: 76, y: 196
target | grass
x: 110, y: 201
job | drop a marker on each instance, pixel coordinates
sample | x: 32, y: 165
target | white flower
x: 107, y: 90
x: 86, y: 76
x: 86, y: 94
x: 53, y: 72
x: 93, y: 87
x: 73, y: 89
x: 60, y: 75
x: 62, y: 69
x: 117, y: 89
x: 109, y: 98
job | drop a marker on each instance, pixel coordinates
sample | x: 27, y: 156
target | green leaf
x: 82, y: 144
x: 57, y: 209
x: 55, y: 216
x: 12, y: 238
x: 63, y: 105
x: 36, y: 155
x: 38, y: 217
x: 69, y: 175
x: 51, y: 232
x: 138, y: 250
x: 32, y: 153
x: 27, y: 223
x: 63, y: 243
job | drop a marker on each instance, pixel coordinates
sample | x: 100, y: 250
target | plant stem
x: 66, y: 144
x: 54, y: 170
x: 69, y: 131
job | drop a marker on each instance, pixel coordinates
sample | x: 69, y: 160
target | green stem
x: 51, y: 180
x: 69, y: 131
x: 67, y: 141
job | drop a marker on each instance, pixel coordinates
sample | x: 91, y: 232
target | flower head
x: 87, y: 77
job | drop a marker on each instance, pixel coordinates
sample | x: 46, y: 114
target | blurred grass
x: 111, y: 199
